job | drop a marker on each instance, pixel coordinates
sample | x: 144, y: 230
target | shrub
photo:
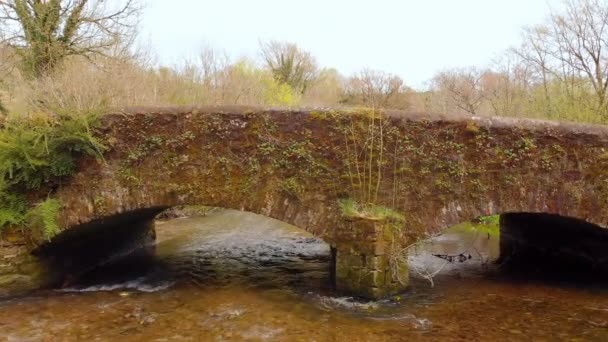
x: 35, y: 152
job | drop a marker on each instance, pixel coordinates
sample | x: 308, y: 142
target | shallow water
x: 235, y: 276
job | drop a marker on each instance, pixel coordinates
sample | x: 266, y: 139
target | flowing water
x: 234, y: 276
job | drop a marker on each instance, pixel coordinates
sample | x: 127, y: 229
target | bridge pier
x: 364, y: 265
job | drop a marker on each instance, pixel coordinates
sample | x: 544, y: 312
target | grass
x: 351, y: 209
x: 484, y: 224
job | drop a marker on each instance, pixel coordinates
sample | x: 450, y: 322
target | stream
x: 236, y: 276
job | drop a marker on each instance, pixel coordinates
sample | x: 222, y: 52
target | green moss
x: 489, y: 220
x: 349, y: 207
x: 527, y: 144
x: 292, y: 187
x: 472, y: 127
x: 100, y: 205
x: 128, y: 176
x: 149, y: 145
x: 485, y: 225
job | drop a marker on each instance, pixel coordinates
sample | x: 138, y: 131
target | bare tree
x: 534, y: 54
x: 463, y: 86
x: 376, y: 89
x: 507, y: 85
x: 215, y: 68
x: 573, y: 47
x: 6, y: 68
x: 44, y: 32
x: 289, y: 64
x: 327, y: 90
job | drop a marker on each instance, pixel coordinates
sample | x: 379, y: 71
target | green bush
x: 38, y: 151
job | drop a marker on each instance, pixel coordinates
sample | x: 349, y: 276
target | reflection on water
x: 234, y: 276
x: 465, y: 250
x: 226, y: 248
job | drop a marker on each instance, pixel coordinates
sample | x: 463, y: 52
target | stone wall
x: 296, y: 165
x: 20, y: 272
x: 365, y: 263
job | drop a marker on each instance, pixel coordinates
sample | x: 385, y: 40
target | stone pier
x: 365, y: 264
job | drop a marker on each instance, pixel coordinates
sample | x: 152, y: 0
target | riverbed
x: 234, y: 276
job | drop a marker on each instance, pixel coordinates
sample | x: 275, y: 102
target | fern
x: 36, y: 151
x: 44, y: 216
x: 13, y: 209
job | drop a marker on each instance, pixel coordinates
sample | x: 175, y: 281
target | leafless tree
x: 534, y: 54
x: 326, y: 91
x: 571, y: 47
x: 463, y: 86
x: 507, y: 85
x: 6, y: 67
x: 44, y: 32
x: 376, y: 89
x: 215, y: 68
x: 289, y: 64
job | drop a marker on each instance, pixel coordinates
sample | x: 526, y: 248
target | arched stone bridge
x: 431, y: 171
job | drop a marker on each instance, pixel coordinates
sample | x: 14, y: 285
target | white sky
x: 411, y: 38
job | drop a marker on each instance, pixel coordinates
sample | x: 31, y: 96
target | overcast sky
x: 411, y: 38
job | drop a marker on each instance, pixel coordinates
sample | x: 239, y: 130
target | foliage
x: 44, y: 217
x: 270, y: 91
x: 34, y: 151
x: 290, y: 65
x: 351, y: 209
x: 292, y: 187
x: 44, y: 33
x: 38, y: 151
x: 489, y: 220
x: 484, y: 224
x: 13, y: 208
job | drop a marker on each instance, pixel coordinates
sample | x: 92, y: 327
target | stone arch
x: 77, y: 251
x: 295, y: 165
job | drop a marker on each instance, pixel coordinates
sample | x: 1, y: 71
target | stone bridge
x: 368, y: 183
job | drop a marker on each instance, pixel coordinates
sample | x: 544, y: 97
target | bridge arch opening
x: 552, y: 246
x: 147, y: 249
x: 519, y: 245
